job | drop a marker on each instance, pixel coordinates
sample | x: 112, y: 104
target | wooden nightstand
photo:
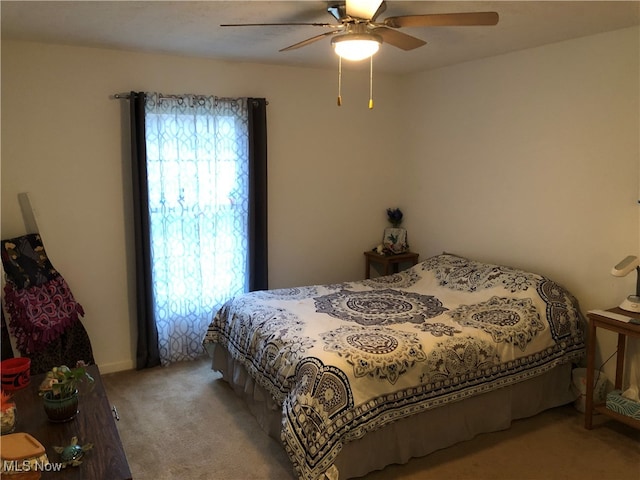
x: 390, y: 263
x: 623, y: 330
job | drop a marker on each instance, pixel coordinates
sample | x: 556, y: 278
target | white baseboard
x: 115, y: 367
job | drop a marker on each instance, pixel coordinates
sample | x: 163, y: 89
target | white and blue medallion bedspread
x: 349, y: 358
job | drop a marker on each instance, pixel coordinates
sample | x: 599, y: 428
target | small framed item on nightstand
x: 395, y: 240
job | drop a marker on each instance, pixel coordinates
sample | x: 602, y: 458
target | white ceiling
x: 192, y: 28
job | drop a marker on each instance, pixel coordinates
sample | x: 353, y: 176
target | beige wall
x: 330, y: 173
x: 530, y: 159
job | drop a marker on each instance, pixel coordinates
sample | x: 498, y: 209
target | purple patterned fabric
x: 41, y: 313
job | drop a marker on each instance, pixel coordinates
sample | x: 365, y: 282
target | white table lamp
x: 622, y: 269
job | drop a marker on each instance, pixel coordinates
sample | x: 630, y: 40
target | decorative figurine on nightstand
x: 395, y: 238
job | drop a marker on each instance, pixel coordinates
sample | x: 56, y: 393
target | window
x: 198, y: 190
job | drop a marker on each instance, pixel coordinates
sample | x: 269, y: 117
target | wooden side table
x: 390, y: 263
x: 623, y: 330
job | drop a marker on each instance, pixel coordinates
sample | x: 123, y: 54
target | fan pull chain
x: 371, y: 83
x: 339, y: 81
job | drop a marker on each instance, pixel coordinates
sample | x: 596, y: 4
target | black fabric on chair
x: 43, y: 315
x: 72, y: 346
x: 7, y: 349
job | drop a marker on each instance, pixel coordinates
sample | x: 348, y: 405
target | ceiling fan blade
x: 443, y: 20
x: 399, y: 39
x: 381, y: 9
x: 331, y: 25
x: 364, y: 9
x: 337, y: 11
x: 308, y: 41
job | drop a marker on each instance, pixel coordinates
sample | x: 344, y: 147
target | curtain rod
x: 126, y: 96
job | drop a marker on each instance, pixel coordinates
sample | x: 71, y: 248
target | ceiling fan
x: 358, y: 35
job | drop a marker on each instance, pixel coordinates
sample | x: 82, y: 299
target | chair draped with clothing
x: 44, y: 317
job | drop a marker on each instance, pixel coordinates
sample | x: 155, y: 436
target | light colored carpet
x: 183, y: 421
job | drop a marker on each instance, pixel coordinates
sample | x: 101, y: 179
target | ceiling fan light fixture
x: 356, y: 47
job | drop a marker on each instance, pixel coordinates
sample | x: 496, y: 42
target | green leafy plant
x: 63, y: 381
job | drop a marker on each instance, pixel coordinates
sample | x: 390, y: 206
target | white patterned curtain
x: 198, y: 189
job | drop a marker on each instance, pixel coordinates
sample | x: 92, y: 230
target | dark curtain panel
x: 258, y: 264
x: 147, y: 353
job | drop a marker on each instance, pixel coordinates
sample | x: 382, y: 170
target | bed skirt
x: 419, y: 434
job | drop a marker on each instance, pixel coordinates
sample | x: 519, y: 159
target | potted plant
x: 59, y: 391
x: 7, y: 413
x: 395, y: 238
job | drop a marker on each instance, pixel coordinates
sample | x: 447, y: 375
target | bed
x: 354, y: 376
